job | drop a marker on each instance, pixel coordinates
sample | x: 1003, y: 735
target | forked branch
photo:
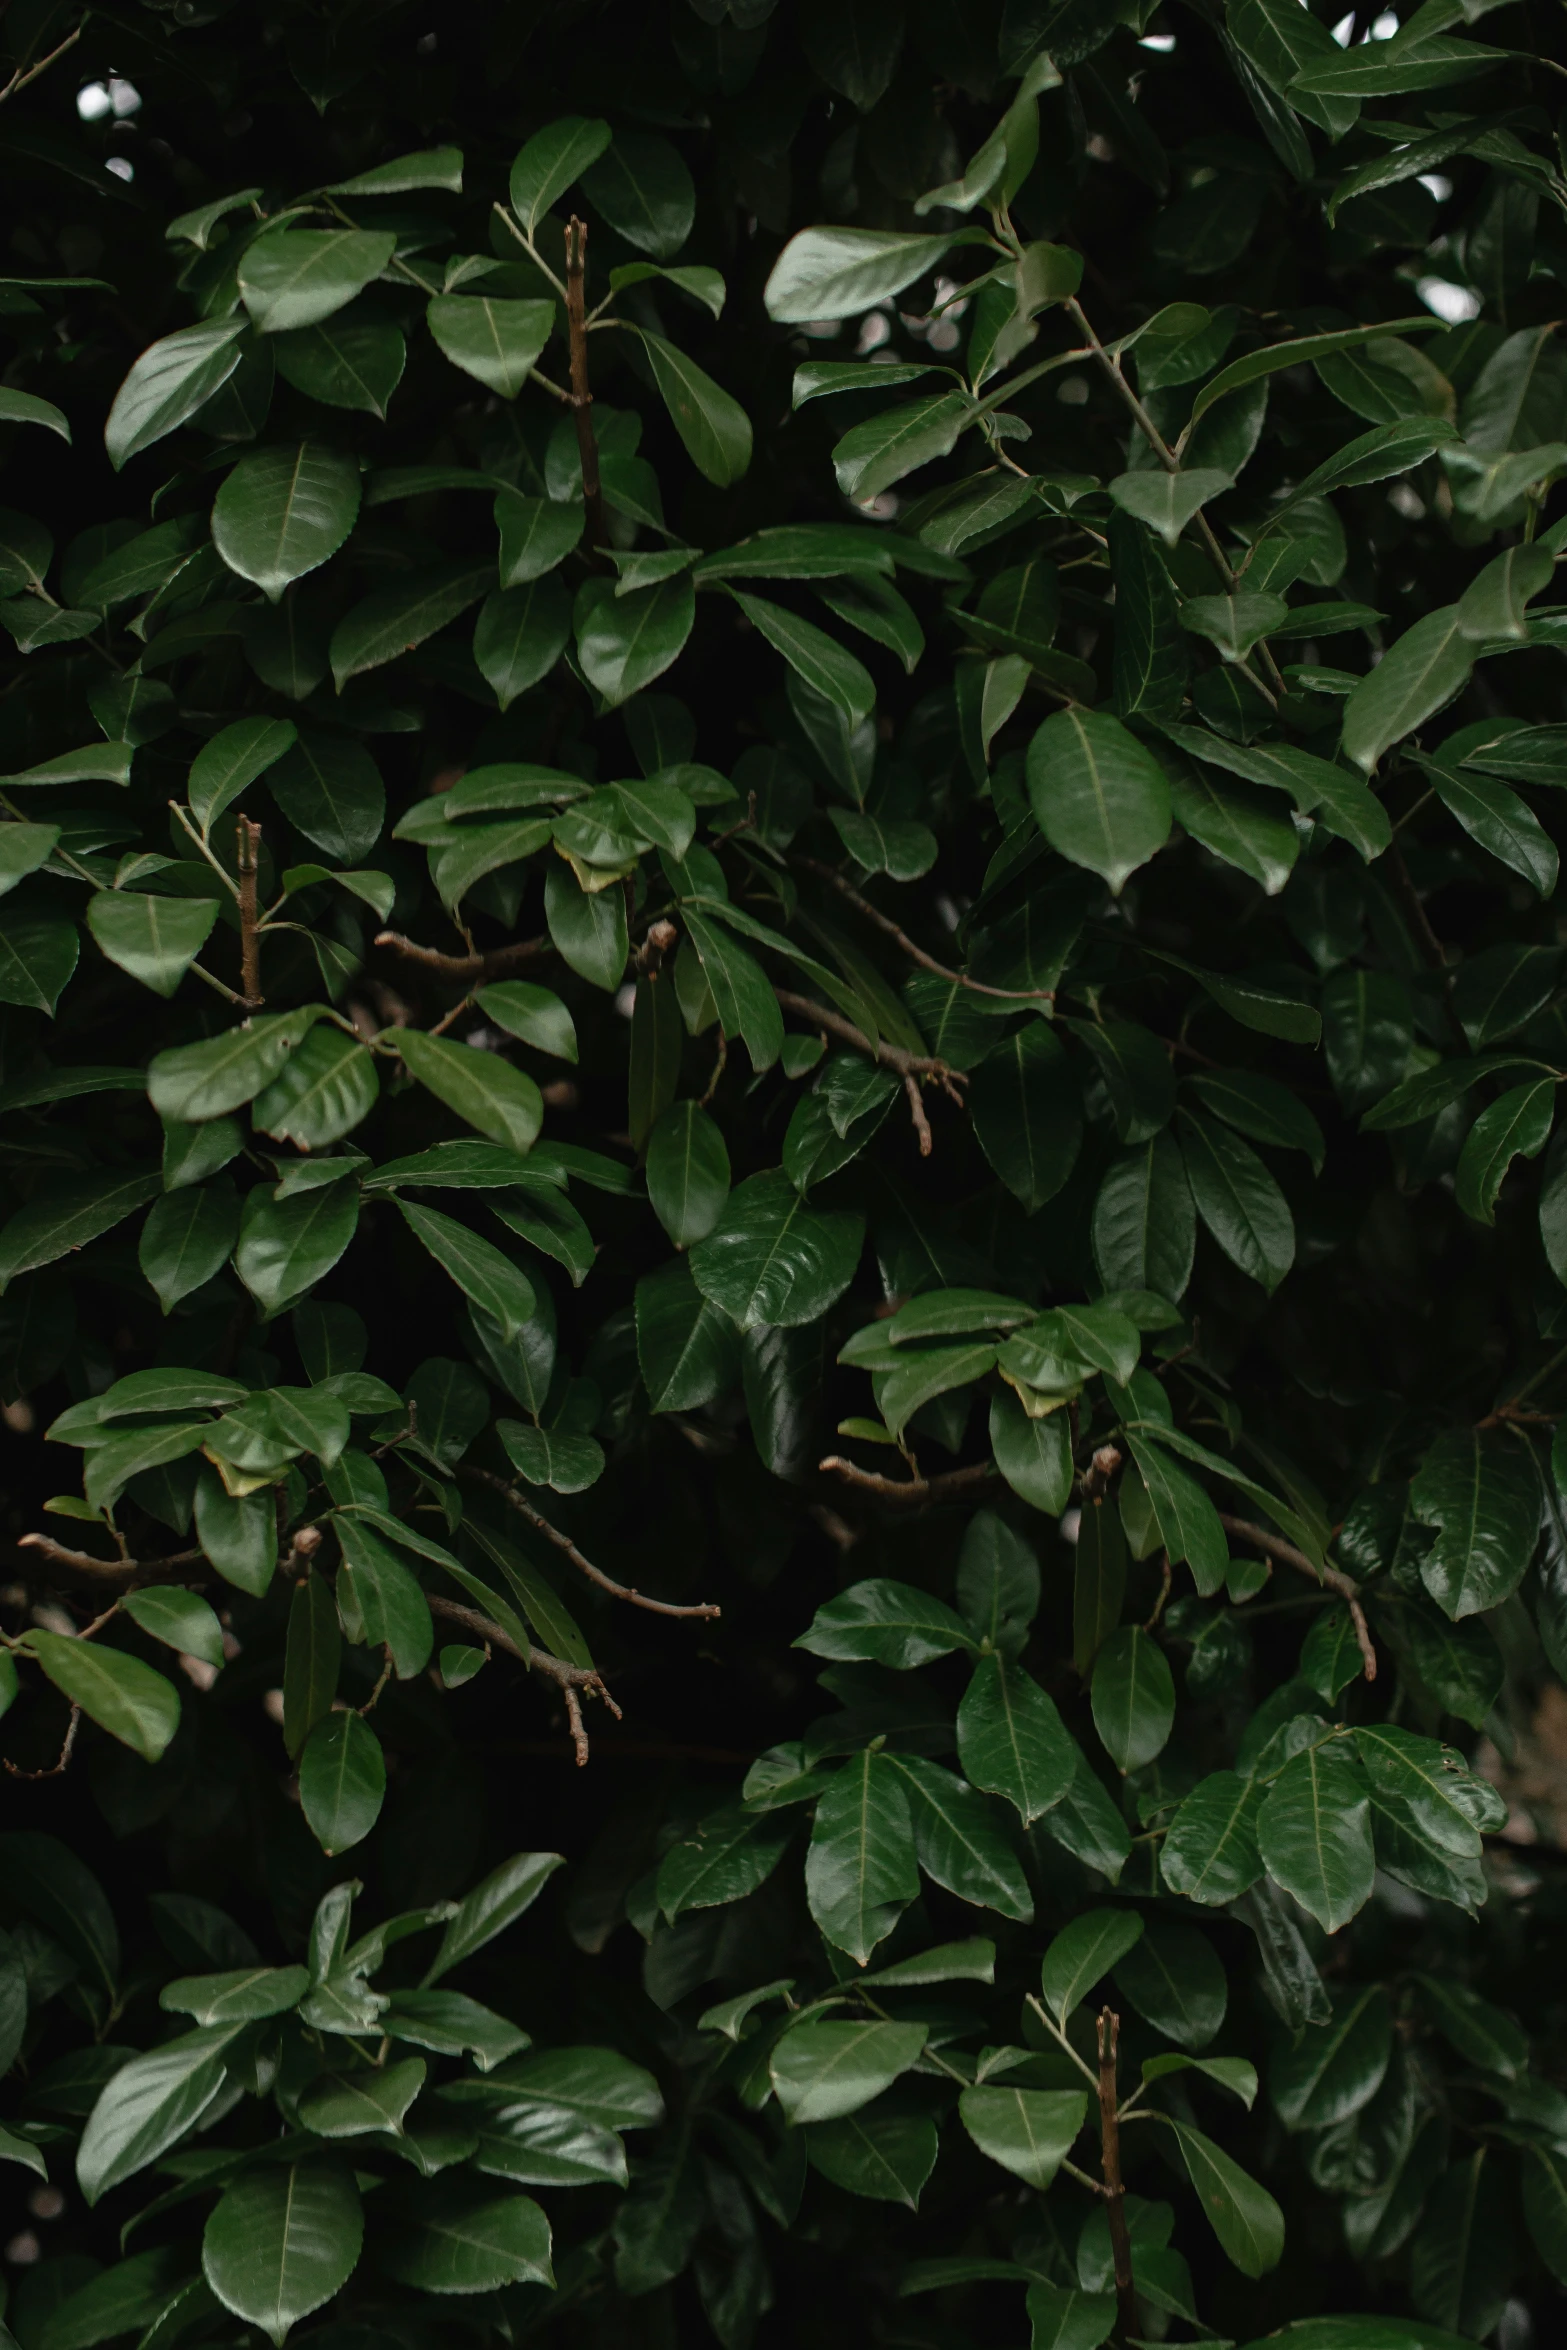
x: 1331, y: 1578
x: 573, y: 1681
x: 584, y: 1566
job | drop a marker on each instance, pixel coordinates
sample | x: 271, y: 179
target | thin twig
x: 55, y: 1769
x: 581, y: 396
x: 920, y: 1489
x: 1333, y: 1578
x: 1109, y: 2033
x: 19, y: 81
x: 570, y: 1680
x: 121, y: 1570
x: 373, y: 1699
x: 584, y: 1566
x: 719, y: 1066
x: 477, y: 966
x: 248, y: 838
x: 911, y: 1067
x: 889, y: 928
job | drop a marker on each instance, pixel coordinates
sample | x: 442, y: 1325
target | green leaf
x: 227, y: 765
x: 821, y: 2071
x: 453, y: 2025
x: 172, y: 379
x: 880, y: 451
x: 397, y: 619
x: 293, y: 277
x: 485, y: 1091
x: 1083, y: 1953
x: 349, y: 2105
x: 130, y: 1700
x: 1144, y: 1221
x: 196, y: 1081
x: 311, y: 1661
x: 1545, y: 2206
x: 827, y: 273
x: 38, y: 951
x: 625, y: 642
x: 284, y: 511
x: 342, y: 1781
x: 1098, y: 796
x: 1166, y: 502
x: 1483, y: 1495
x: 348, y: 363
x: 1133, y: 1698
x: 182, y: 1621
x: 493, y: 1905
x: 496, y: 342
x: 959, y: 1842
x: 1026, y: 1108
x: 688, y: 1350
x: 385, y: 1596
x: 1297, y: 352
x: 726, y: 1856
x: 889, y: 1623
x: 1176, y: 1982
x: 773, y: 1260
x: 481, y: 1271
x: 546, y: 167
x: 23, y: 848
x: 536, y: 1014
x: 1313, y: 1830
x: 461, y: 2236
x: 687, y: 1173
x: 148, y: 2105
x: 75, y: 1209
x: 712, y: 424
x: 1210, y: 1853
x: 1243, y: 2215
x: 281, y: 2241
x: 1011, y: 1739
x: 325, y: 1089
x: 1517, y: 1124
x: 1063, y: 2318
x: 1427, y: 666
x: 1237, y: 825
x: 1238, y: 1200
x: 520, y: 635
x: 819, y: 659
x: 885, y: 2156
x: 285, y: 1246
x: 1334, y: 2069
x: 1028, y: 2131
x: 860, y: 1872
x: 1500, y: 821
x: 155, y: 939
x: 641, y: 186
x: 431, y: 167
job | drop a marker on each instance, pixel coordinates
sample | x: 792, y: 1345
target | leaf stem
x: 1109, y: 2034
x: 581, y: 396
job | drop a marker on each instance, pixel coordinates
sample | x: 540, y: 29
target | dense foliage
x: 784, y: 1281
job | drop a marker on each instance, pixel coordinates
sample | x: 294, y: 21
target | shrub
x: 781, y: 1013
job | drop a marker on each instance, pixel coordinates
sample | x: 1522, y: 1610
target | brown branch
x: 485, y: 966
x: 374, y: 1697
x: 920, y: 1489
x: 55, y: 1769
x: 1332, y: 1579
x: 581, y: 397
x: 911, y: 1067
x: 719, y: 1066
x: 248, y: 837
x: 1110, y: 2163
x: 585, y: 1566
x: 889, y: 928
x: 116, y: 1570
x: 19, y: 80
x: 570, y: 1680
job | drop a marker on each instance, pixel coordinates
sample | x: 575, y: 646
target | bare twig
x: 1332, y: 1578
x: 570, y: 1680
x: 55, y: 1769
x: 585, y: 1566
x: 920, y: 1489
x: 478, y: 966
x: 120, y: 1570
x: 911, y: 1067
x: 719, y: 1066
x: 581, y: 397
x: 373, y: 1699
x: 19, y: 81
x: 1110, y: 2163
x: 248, y: 837
x: 889, y: 928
